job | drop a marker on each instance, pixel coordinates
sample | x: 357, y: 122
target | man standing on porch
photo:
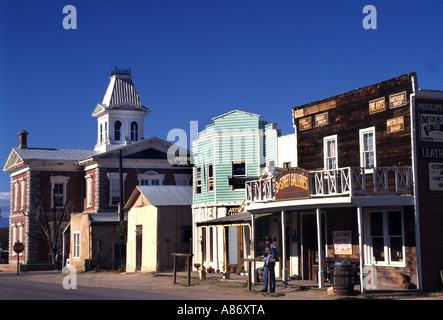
x: 268, y: 266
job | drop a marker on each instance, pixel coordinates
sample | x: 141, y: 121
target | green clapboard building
x: 235, y: 147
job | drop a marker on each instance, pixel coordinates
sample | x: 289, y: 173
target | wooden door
x: 138, y: 248
x: 309, y: 242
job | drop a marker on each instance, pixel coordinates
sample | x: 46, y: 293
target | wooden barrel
x: 343, y: 279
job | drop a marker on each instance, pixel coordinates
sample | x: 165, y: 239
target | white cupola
x: 120, y: 117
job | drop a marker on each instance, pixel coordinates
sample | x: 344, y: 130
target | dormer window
x: 134, y: 131
x: 117, y: 130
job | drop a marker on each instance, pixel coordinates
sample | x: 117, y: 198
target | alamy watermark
x: 370, y: 20
x: 70, y: 20
x: 70, y: 281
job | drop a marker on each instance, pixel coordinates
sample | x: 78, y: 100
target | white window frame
x: 148, y: 178
x: 59, y: 180
x: 362, y: 133
x: 22, y: 193
x: 76, y: 244
x: 89, y: 191
x: 326, y: 156
x: 15, y: 195
x: 114, y: 179
x: 369, y: 253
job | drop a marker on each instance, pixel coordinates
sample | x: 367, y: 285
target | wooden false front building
x: 369, y: 190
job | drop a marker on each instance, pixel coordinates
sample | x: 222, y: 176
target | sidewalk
x: 302, y: 285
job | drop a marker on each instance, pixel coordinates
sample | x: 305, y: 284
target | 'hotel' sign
x: 291, y: 184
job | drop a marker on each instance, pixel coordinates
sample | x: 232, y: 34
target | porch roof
x: 243, y: 217
x: 331, y: 202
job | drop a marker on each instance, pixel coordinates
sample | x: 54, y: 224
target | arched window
x: 117, y: 130
x: 134, y: 131
x: 101, y: 133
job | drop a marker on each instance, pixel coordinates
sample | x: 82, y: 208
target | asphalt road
x: 11, y: 289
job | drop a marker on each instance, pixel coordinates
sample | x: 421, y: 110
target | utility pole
x: 120, y: 171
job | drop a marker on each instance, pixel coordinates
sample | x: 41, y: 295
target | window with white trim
x: 134, y: 131
x: 150, y: 178
x: 89, y: 191
x: 367, y: 148
x: 76, y: 244
x: 330, y: 152
x: 58, y: 191
x: 114, y: 187
x: 385, y: 237
x: 15, y: 195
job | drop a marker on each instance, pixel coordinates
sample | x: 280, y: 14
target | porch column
x: 253, y: 265
x: 321, y: 278
x: 362, y: 251
x: 283, y: 249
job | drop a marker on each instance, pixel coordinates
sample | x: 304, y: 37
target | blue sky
x: 192, y: 60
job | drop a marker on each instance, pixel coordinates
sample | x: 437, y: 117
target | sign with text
x: 432, y: 153
x: 305, y: 123
x: 398, y: 100
x: 436, y: 176
x: 342, y: 242
x: 377, y: 105
x: 292, y: 184
x: 431, y: 127
x: 321, y: 119
x: 395, y: 124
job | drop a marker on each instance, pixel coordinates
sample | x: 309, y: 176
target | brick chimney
x: 23, y: 139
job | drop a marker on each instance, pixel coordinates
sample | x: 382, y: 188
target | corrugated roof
x: 167, y: 195
x: 49, y: 154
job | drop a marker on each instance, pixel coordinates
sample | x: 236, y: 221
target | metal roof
x: 50, y: 154
x: 167, y: 195
x: 121, y: 91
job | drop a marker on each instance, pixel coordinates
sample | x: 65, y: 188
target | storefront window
x: 386, y: 237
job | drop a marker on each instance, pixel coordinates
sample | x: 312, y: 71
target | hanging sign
x: 342, y: 242
x: 292, y: 184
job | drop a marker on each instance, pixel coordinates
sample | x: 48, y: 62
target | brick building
x: 88, y: 180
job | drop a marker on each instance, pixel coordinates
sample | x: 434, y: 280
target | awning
x: 234, y: 219
x: 239, y: 218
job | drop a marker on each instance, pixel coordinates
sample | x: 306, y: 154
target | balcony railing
x: 349, y: 181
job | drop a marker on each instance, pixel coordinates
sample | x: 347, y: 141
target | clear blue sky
x: 192, y: 60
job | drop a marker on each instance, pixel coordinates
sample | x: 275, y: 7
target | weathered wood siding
x: 347, y: 114
x: 430, y: 201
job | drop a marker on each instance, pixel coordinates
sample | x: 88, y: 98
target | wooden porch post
x: 253, y: 265
x: 283, y: 248
x: 320, y: 256
x: 362, y: 251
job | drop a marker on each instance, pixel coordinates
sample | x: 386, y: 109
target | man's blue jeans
x: 265, y: 278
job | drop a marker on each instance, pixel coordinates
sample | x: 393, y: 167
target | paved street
x: 51, y: 285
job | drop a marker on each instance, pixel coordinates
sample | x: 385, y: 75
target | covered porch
x: 336, y: 222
